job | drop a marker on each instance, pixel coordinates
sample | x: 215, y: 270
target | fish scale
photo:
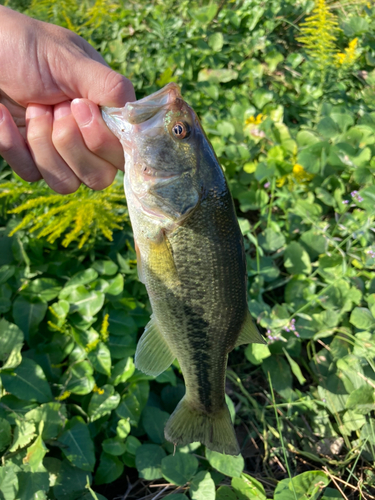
x: 190, y: 257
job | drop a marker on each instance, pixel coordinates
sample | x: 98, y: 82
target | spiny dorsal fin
x: 249, y: 333
x: 153, y: 355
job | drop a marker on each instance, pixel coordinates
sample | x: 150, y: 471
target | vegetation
x: 285, y: 91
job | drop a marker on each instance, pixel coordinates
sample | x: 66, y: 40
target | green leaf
x: 36, y: 452
x: 53, y: 415
x: 23, y: 434
x: 28, y: 312
x: 256, y: 353
x: 122, y: 371
x: 296, y: 259
x: 110, y: 468
x: 261, y: 97
x: 132, y: 445
x: 88, y: 304
x: 121, y: 347
x: 328, y: 128
x: 123, y: 428
x: 82, y: 278
x: 281, y: 376
x: 102, y: 404
x: 121, y: 323
x: 148, y: 459
x: 225, y: 493
x: 362, y: 318
x: 28, y: 382
x: 226, y: 464
x: 77, y: 444
x: 116, y: 285
x: 362, y: 400
x: 216, y: 41
x: 308, y: 485
x: 106, y: 267
x: 32, y: 485
x: 114, y: 446
x: 6, y: 272
x: 202, y: 487
x: 179, y: 468
x: 5, y: 433
x: 271, y: 240
x: 133, y: 402
x: 295, y: 368
x: 71, y: 482
x: 11, y: 339
x: 100, y: 358
x: 153, y: 421
x: 247, y: 487
x: 45, y: 288
x: 217, y: 75
x: 8, y: 482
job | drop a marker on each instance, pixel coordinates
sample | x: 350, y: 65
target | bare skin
x: 51, y: 84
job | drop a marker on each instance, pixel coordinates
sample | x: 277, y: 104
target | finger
x: 96, y: 135
x: 52, y: 167
x: 14, y: 149
x: 97, y: 82
x: 92, y: 170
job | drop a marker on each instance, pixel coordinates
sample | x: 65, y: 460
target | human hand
x: 51, y: 84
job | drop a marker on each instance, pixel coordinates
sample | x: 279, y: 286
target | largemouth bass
x: 190, y: 256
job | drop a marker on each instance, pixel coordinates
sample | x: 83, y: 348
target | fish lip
x: 143, y: 110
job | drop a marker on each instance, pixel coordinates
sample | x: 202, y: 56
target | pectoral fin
x: 249, y: 333
x: 153, y: 355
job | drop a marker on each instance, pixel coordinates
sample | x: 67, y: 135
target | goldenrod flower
x: 63, y: 396
x: 91, y: 345
x: 318, y: 34
x: 349, y: 56
x: 98, y: 390
x: 104, y: 329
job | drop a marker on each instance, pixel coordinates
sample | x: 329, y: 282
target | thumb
x: 100, y: 84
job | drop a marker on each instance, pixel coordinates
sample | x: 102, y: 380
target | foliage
x: 76, y: 418
x: 81, y: 214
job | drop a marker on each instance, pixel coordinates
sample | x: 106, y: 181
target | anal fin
x: 153, y: 355
x: 249, y: 333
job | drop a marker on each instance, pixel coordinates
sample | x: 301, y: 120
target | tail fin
x: 187, y: 425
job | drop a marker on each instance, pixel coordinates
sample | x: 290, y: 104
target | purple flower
x: 267, y: 185
x: 345, y: 202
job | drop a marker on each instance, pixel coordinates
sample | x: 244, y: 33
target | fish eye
x: 181, y: 130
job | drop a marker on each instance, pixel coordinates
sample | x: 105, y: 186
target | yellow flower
x: 300, y: 174
x: 255, y: 121
x: 251, y: 125
x: 349, y: 56
x: 91, y: 345
x: 98, y: 390
x: 63, y: 396
x: 104, y: 329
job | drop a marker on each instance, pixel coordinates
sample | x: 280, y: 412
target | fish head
x: 162, y: 137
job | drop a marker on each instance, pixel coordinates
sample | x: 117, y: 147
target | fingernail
x: 61, y: 110
x: 35, y: 110
x: 82, y: 112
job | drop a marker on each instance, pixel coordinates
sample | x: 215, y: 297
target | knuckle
x: 63, y: 138
x: 66, y: 184
x: 98, y: 182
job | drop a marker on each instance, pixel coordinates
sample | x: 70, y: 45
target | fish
x: 191, y: 258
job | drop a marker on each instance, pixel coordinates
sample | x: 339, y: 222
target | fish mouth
x: 140, y: 111
x: 126, y: 121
